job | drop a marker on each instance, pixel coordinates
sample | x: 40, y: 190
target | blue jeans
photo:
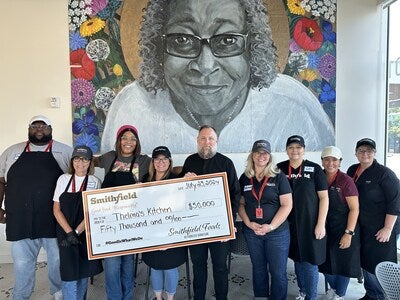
x: 269, y: 253
x: 219, y: 254
x: 25, y: 253
x: 307, y: 279
x: 339, y: 283
x: 119, y: 275
x: 165, y: 279
x: 75, y: 290
x: 372, y: 286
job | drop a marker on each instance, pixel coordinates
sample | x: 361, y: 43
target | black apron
x: 345, y: 262
x: 119, y: 178
x: 74, y: 263
x: 31, y: 182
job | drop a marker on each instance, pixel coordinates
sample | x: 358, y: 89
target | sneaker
x: 301, y: 296
x: 330, y: 294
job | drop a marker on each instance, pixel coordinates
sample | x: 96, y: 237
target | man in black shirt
x: 207, y: 161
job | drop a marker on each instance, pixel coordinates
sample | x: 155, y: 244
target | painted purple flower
x: 82, y: 92
x: 98, y: 5
x: 328, y: 93
x: 85, y: 124
x: 76, y: 41
x: 293, y: 46
x: 327, y: 66
x: 87, y: 140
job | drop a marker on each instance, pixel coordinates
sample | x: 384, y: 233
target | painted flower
x: 98, y: 5
x: 317, y: 8
x: 98, y: 50
x: 329, y: 34
x: 117, y: 70
x: 82, y: 92
x: 104, y: 97
x: 76, y: 41
x: 85, y: 123
x: 307, y: 34
x: 87, y: 140
x: 295, y: 7
x: 81, y: 65
x: 91, y: 26
x: 297, y: 61
x: 110, y: 9
x: 78, y: 12
x: 327, y: 66
x: 328, y: 93
x: 293, y: 47
x: 313, y: 60
x: 308, y: 75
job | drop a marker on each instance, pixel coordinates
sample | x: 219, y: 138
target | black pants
x: 199, y: 255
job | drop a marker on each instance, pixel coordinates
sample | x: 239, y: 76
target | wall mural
x: 251, y: 68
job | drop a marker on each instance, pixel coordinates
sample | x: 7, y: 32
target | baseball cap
x: 296, y: 139
x: 367, y: 142
x: 125, y: 128
x: 331, y: 151
x: 161, y: 150
x: 82, y: 151
x: 39, y: 118
x: 261, y: 145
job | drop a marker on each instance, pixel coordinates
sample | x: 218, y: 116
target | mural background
x: 103, y: 54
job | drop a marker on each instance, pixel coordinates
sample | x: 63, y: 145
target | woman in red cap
x: 124, y: 165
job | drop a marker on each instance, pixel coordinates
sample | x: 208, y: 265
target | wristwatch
x: 348, y: 231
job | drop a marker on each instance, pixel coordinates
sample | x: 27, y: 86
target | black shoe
x: 366, y: 297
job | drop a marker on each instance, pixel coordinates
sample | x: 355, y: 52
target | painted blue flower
x: 328, y: 93
x: 313, y: 60
x: 85, y: 123
x: 327, y: 32
x: 87, y: 140
x: 76, y: 41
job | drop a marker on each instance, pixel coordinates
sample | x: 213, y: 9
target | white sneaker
x: 301, y: 296
x: 331, y: 295
x: 58, y: 295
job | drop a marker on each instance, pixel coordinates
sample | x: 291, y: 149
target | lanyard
x: 28, y: 148
x: 333, y: 179
x: 73, y: 184
x: 290, y: 172
x: 258, y: 197
x: 356, y: 176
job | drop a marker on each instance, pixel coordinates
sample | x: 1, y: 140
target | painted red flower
x: 307, y: 34
x: 81, y: 65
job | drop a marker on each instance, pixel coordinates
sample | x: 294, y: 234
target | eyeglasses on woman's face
x: 82, y: 159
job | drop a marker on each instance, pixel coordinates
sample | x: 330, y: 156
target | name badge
x: 247, y: 188
x: 91, y: 185
x: 259, y: 213
x: 308, y: 169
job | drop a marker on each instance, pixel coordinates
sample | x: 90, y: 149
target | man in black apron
x: 28, y: 176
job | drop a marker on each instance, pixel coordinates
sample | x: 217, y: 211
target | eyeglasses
x: 128, y: 139
x: 39, y: 126
x: 368, y: 152
x: 83, y: 159
x: 163, y: 160
x: 189, y: 45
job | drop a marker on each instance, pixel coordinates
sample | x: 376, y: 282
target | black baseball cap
x: 295, y: 139
x: 82, y: 151
x: 261, y: 145
x: 366, y: 142
x: 161, y: 150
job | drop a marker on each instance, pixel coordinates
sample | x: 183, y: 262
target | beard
x: 207, y: 152
x: 44, y: 140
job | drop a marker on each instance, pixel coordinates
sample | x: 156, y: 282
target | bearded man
x: 28, y: 175
x: 207, y: 161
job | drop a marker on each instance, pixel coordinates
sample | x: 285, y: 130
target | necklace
x: 229, y: 118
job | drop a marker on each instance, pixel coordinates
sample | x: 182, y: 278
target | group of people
x: 323, y: 219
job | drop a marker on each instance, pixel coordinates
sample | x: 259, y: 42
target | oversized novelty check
x: 157, y: 215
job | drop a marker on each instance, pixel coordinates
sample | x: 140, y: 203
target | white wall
x: 35, y: 65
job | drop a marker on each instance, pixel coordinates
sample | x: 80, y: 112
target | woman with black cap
x: 379, y: 194
x: 164, y: 264
x: 126, y: 165
x: 308, y: 216
x: 75, y: 268
x: 265, y: 204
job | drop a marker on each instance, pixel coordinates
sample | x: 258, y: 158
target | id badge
x: 259, y: 213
